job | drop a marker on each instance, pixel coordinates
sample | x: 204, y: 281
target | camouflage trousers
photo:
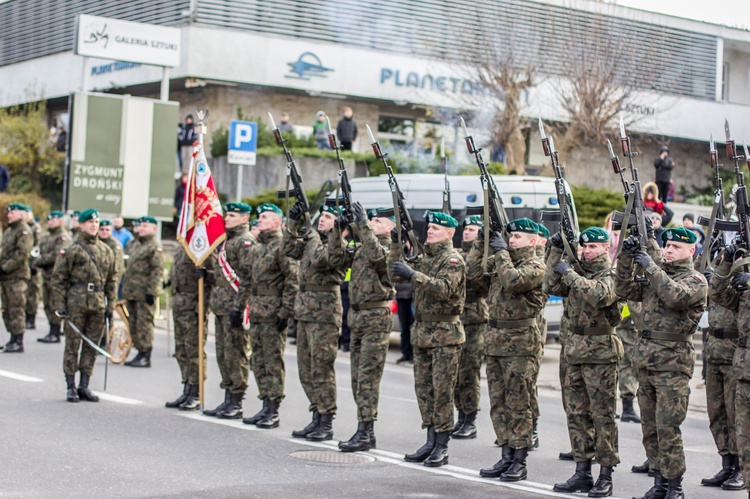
x: 14, y: 306
x: 721, y: 384
x: 510, y: 381
x: 742, y: 402
x: 435, y: 373
x: 49, y: 310
x: 370, y: 331
x: 663, y: 399
x: 141, y: 324
x: 467, y: 391
x: 628, y: 377
x: 317, y: 346
x: 186, y: 344
x: 268, y: 359
x: 91, y: 324
x: 232, y: 355
x: 563, y: 375
x: 592, y: 403
x: 540, y: 355
x: 32, y: 293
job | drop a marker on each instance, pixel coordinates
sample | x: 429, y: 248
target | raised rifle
x: 293, y: 177
x: 399, y: 211
x: 343, y: 187
x: 716, y: 236
x: 447, y: 189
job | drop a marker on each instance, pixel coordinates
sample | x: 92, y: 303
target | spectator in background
x: 404, y: 292
x: 186, y: 138
x: 652, y: 202
x: 119, y: 231
x: 254, y: 230
x: 346, y: 130
x: 320, y: 130
x: 688, y: 221
x: 663, y: 165
x: 4, y: 178
x: 614, y: 236
x: 285, y: 126
x: 179, y: 194
x: 658, y: 228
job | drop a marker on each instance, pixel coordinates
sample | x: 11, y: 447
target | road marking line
x: 116, y: 398
x: 20, y: 377
x: 233, y: 423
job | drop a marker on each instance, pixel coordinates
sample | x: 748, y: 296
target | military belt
x: 516, y: 324
x: 88, y: 286
x: 267, y: 292
x: 662, y: 335
x: 724, y: 334
x: 436, y: 318
x: 369, y: 305
x: 189, y: 290
x: 268, y: 320
x: 743, y: 342
x: 473, y: 297
x: 320, y: 287
x: 594, y: 330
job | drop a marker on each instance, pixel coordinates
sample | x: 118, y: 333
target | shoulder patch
x: 25, y: 233
x: 62, y: 251
x: 248, y: 243
x: 453, y: 261
x: 537, y: 263
x: 159, y: 249
x: 64, y: 238
x: 698, y: 277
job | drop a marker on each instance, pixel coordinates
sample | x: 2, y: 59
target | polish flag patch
x: 454, y: 261
x: 248, y: 243
x: 62, y: 251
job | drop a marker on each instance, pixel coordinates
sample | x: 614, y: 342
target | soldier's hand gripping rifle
x: 403, y: 218
x: 715, y: 236
x: 343, y: 187
x: 293, y: 177
x: 447, y: 189
x: 566, y: 216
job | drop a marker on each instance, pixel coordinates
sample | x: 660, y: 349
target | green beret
x: 440, y: 218
x: 105, y: 223
x: 473, y: 220
x: 55, y: 214
x: 333, y: 210
x: 17, y: 206
x: 136, y: 222
x: 254, y: 223
x: 269, y: 207
x: 594, y: 235
x: 680, y: 235
x: 238, y: 208
x: 543, y: 231
x: 148, y: 220
x: 523, y: 225
x: 75, y: 214
x: 373, y: 213
x: 86, y: 215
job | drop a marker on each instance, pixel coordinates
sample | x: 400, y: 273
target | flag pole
x: 201, y: 318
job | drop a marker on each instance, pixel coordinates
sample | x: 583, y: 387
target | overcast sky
x: 735, y: 13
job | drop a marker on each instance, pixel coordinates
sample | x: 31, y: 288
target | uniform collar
x: 268, y: 236
x: 522, y: 253
x: 435, y: 248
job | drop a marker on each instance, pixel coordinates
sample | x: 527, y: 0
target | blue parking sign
x: 243, y: 142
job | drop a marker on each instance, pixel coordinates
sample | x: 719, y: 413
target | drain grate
x: 332, y: 457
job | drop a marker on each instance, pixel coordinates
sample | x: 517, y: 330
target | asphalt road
x: 129, y: 445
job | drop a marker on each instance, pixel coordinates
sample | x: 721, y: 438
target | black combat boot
x: 179, y: 400
x: 603, y: 485
x: 362, y: 440
x: 535, y: 435
x: 421, y: 454
x: 642, y: 468
x: 460, y: 421
x: 221, y: 407
x: 469, y: 429
x: 439, y: 455
x: 271, y: 417
x: 736, y: 481
x: 566, y: 456
x: 726, y: 471
x: 136, y: 359
x: 517, y: 470
x: 311, y: 427
x: 659, y: 490
x: 259, y: 415
x: 674, y: 489
x: 233, y: 410
x: 628, y: 413
x: 144, y: 361
x: 581, y: 481
x: 83, y: 390
x: 53, y: 336
x: 15, y: 345
x: 193, y: 401
x: 324, y: 431
x: 72, y: 394
x: 501, y: 466
x: 30, y: 321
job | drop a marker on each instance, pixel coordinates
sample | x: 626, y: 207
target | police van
x: 523, y: 196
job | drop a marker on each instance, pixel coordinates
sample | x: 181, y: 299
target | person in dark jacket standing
x: 663, y: 165
x: 346, y: 130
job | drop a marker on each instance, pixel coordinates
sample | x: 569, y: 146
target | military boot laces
x: 311, y: 427
x: 628, y: 412
x: 259, y: 415
x: 439, y: 455
x: 72, y: 394
x: 459, y: 421
x: 736, y: 481
x: 469, y: 429
x: 15, y: 345
x: 421, y: 454
x: 220, y: 407
x: 362, y: 440
x: 271, y: 417
x: 233, y: 410
x: 658, y: 490
x: 193, y: 401
x: 83, y: 390
x: 581, y: 481
x: 179, y: 400
x: 724, y: 474
x: 674, y: 489
x: 517, y: 470
x: 501, y: 466
x: 603, y: 485
x: 324, y: 431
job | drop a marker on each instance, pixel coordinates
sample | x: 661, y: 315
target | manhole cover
x: 331, y: 457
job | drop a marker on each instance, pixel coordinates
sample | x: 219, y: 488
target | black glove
x: 632, y: 245
x: 729, y: 252
x: 200, y: 273
x: 235, y: 318
x: 108, y: 314
x: 400, y: 269
x: 341, y: 222
x: 497, y: 243
x: 2, y: 272
x: 394, y: 235
x: 708, y: 275
x: 165, y: 284
x: 480, y: 235
x: 150, y: 299
x: 34, y: 271
x: 557, y: 241
x: 562, y: 267
x: 62, y: 312
x: 650, y: 228
x: 360, y: 215
x: 281, y: 323
x: 296, y: 211
x: 739, y: 282
x: 643, y: 259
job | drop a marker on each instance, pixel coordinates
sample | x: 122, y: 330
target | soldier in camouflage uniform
x: 141, y: 286
x: 474, y: 319
x: 35, y: 281
x: 52, y: 242
x: 133, y: 243
x: 74, y: 224
x: 541, y: 252
x: 369, y: 316
x: 15, y: 274
x: 593, y: 354
x: 673, y: 297
x: 84, y: 284
x: 628, y: 377
x: 318, y: 311
x: 228, y: 304
x: 439, y: 280
x: 512, y: 339
x: 275, y: 281
x: 105, y: 236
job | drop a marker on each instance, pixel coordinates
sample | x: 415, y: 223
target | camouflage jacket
x: 117, y: 250
x: 315, y: 269
x: 633, y: 317
x: 144, y: 273
x: 515, y: 294
x: 76, y: 273
x: 184, y: 284
x: 275, y: 278
x: 369, y: 263
x: 475, y: 308
x: 592, y: 303
x: 673, y: 298
x: 439, y: 289
x: 49, y: 247
x: 238, y: 247
x: 131, y: 245
x: 16, y: 249
x: 722, y: 294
